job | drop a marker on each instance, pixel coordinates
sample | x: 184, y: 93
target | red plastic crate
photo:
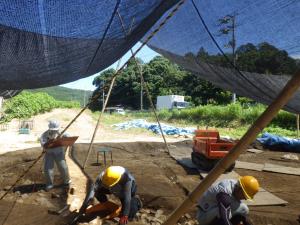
x: 208, y: 143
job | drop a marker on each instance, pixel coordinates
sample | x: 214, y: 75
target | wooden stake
x: 284, y: 96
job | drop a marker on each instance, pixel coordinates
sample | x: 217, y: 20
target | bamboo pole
x: 98, y: 122
x: 298, y: 121
x: 286, y: 93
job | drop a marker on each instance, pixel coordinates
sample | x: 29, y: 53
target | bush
x: 28, y: 104
x: 232, y: 115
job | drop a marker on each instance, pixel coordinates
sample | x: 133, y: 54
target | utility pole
x: 229, y: 25
x: 141, y: 91
x: 84, y: 97
x: 103, y: 93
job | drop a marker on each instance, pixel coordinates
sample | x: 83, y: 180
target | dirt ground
x: 83, y: 127
x: 283, y: 186
x: 162, y: 183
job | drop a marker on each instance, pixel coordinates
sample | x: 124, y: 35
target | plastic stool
x: 104, y: 151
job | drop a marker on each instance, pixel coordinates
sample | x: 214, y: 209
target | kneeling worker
x: 221, y: 203
x: 118, y: 181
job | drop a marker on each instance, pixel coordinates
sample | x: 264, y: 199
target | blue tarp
x: 281, y: 143
x: 140, y: 123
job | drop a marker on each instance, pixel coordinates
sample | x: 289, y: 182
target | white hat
x: 53, y: 125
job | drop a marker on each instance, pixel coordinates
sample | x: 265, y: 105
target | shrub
x: 28, y: 104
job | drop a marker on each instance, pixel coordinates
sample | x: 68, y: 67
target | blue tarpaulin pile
x: 279, y: 143
x: 140, y: 123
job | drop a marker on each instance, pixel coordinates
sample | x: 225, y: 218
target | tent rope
x: 146, y: 87
x: 104, y: 34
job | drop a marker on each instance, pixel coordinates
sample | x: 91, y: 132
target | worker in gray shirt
x: 221, y: 204
x: 118, y: 181
x: 56, y: 154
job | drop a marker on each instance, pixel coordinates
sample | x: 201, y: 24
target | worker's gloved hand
x: 123, y: 220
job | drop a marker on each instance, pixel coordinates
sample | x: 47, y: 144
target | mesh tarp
x: 45, y: 43
x: 274, y: 22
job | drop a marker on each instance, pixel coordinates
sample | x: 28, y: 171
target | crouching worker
x: 56, y: 154
x: 118, y: 181
x: 221, y: 203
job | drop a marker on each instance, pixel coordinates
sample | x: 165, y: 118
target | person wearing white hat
x: 56, y: 154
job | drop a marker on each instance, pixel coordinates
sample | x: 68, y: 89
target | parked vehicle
x: 171, y: 102
x: 117, y: 110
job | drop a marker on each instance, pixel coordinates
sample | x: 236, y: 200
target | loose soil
x: 162, y: 183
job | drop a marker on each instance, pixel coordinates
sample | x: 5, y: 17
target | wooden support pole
x: 284, y: 96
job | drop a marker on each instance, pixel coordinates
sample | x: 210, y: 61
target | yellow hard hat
x: 250, y: 186
x: 112, y: 175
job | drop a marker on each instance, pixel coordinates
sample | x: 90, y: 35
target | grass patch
x: 231, y: 120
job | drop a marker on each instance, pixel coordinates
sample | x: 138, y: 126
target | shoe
x: 67, y: 185
x: 68, y: 182
x: 140, y: 203
x: 49, y: 187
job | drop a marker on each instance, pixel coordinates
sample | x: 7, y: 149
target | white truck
x: 171, y: 102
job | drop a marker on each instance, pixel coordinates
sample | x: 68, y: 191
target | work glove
x: 123, y: 220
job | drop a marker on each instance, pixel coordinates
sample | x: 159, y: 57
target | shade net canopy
x: 45, y: 43
x: 200, y: 39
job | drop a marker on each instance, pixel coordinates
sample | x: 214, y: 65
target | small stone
x: 147, y: 211
x: 27, y: 182
x: 25, y: 195
x: 6, y: 188
x: 158, y: 213
x: 41, y: 194
x: 162, y: 217
x: 53, y: 195
x: 290, y: 156
x: 20, y: 200
x: 157, y: 220
x: 188, y: 216
x: 152, y: 211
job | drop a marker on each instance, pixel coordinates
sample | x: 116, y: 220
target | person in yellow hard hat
x: 221, y: 203
x: 118, y: 181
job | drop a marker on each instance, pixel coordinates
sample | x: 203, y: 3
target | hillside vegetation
x: 28, y: 104
x: 65, y: 94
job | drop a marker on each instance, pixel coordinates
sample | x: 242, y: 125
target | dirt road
x: 83, y: 127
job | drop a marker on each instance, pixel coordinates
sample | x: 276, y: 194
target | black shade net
x: 200, y: 39
x: 45, y: 43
